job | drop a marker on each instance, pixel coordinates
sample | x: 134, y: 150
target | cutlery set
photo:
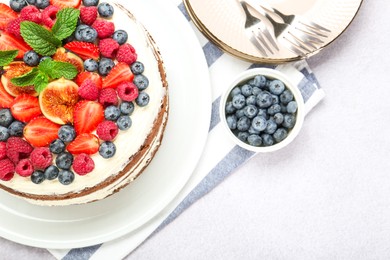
x: 296, y: 33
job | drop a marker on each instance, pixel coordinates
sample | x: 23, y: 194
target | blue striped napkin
x: 220, y: 158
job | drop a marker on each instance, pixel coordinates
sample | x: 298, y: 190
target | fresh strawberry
x: 120, y: 73
x: 25, y: 107
x: 95, y: 77
x: 5, y: 98
x: 40, y: 132
x: 6, y: 15
x: 87, y: 115
x: 10, y: 42
x: 84, y: 143
x: 84, y: 50
x: 66, y: 3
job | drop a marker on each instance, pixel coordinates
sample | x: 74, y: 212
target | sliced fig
x: 16, y: 69
x: 65, y: 56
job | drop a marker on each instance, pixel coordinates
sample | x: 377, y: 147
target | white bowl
x: 269, y: 74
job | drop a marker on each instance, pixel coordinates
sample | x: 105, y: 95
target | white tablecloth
x: 326, y: 196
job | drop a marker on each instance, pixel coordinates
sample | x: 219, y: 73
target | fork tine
x: 315, y: 26
x: 307, y: 36
x: 260, y: 37
x: 295, y: 42
x: 311, y: 31
x: 269, y: 37
x: 253, y: 40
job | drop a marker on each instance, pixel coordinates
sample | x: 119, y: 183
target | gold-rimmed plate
x: 222, y: 22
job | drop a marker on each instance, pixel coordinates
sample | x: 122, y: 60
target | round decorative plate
x: 223, y: 22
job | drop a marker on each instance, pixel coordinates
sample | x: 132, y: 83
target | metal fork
x: 255, y: 29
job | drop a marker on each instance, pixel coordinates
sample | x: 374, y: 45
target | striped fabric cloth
x: 220, y: 158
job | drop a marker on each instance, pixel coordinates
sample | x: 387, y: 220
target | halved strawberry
x: 41, y: 132
x: 10, y: 42
x: 25, y: 107
x: 84, y: 50
x: 5, y: 98
x: 84, y: 143
x: 87, y: 115
x: 66, y: 3
x: 120, y: 73
x: 95, y: 77
x: 6, y: 15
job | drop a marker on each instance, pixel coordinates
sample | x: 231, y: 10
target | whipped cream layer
x: 148, y: 124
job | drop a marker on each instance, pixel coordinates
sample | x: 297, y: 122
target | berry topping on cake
x: 120, y: 73
x: 87, y: 115
x: 6, y: 15
x: 25, y: 107
x: 49, y: 15
x: 104, y: 28
x: 127, y: 91
x: 88, y: 14
x: 7, y: 170
x: 17, y: 149
x: 3, y: 150
x: 83, y: 164
x: 107, y: 149
x: 107, y: 130
x: 24, y: 168
x: 5, y: 98
x: 84, y: 50
x: 11, y: 42
x: 108, y: 97
x: 41, y: 158
x: 108, y: 47
x: 126, y: 53
x: 95, y: 77
x: 88, y: 90
x: 84, y: 143
x: 41, y: 131
x: 66, y: 3
x: 31, y: 13
x: 13, y: 27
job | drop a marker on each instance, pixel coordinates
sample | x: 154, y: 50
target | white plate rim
x: 195, y: 61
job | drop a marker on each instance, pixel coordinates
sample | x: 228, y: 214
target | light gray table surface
x: 326, y: 196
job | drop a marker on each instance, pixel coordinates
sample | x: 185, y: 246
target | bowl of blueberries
x: 262, y: 110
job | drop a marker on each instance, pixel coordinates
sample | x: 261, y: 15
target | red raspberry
x: 24, y: 168
x: 49, y: 15
x: 127, y: 91
x: 108, y: 47
x: 108, y: 97
x: 88, y: 14
x: 88, y: 90
x: 31, y: 13
x: 7, y: 170
x: 13, y: 27
x: 41, y: 158
x: 18, y: 149
x: 83, y: 164
x: 107, y: 130
x: 104, y: 28
x: 126, y: 53
x: 3, y: 150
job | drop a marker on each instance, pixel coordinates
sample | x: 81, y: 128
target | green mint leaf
x: 58, y: 69
x: 66, y: 23
x: 26, y: 79
x: 41, y: 81
x: 39, y: 38
x: 6, y: 57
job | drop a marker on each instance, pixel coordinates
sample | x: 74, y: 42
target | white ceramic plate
x: 222, y: 21
x: 184, y: 140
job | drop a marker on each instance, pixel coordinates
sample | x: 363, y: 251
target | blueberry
x: 65, y: 177
x: 263, y: 112
x: 120, y: 36
x: 142, y: 99
x: 66, y: 133
x: 275, y: 99
x: 64, y: 160
x: 4, y: 133
x: 107, y: 149
x: 124, y: 122
x: 274, y: 109
x: 240, y: 113
x: 239, y: 101
x: 268, y: 140
x: 137, y: 68
x: 17, y: 5
x: 105, y: 66
x: 5, y: 117
x: 31, y: 2
x: 243, y: 136
x: 292, y: 107
x: 91, y: 65
x: 251, y: 100
x: 105, y: 10
x: 243, y: 123
x: 289, y: 120
x: 31, y: 58
x: 141, y: 81
x: 37, y: 177
x: 232, y: 122
x: 126, y: 108
x: 276, y: 87
x: 286, y: 97
x: 112, y: 113
x: 16, y: 128
x: 256, y: 91
x: 259, y: 123
x: 251, y: 131
x: 79, y: 30
x: 264, y: 100
x: 42, y: 4
x: 271, y: 127
x: 57, y: 146
x: 85, y: 33
x: 251, y: 111
x: 51, y: 172
x: 246, y: 90
x: 280, y: 134
x: 254, y: 140
x: 229, y: 108
x: 259, y: 81
x: 278, y: 118
x: 235, y: 91
x: 90, y: 2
